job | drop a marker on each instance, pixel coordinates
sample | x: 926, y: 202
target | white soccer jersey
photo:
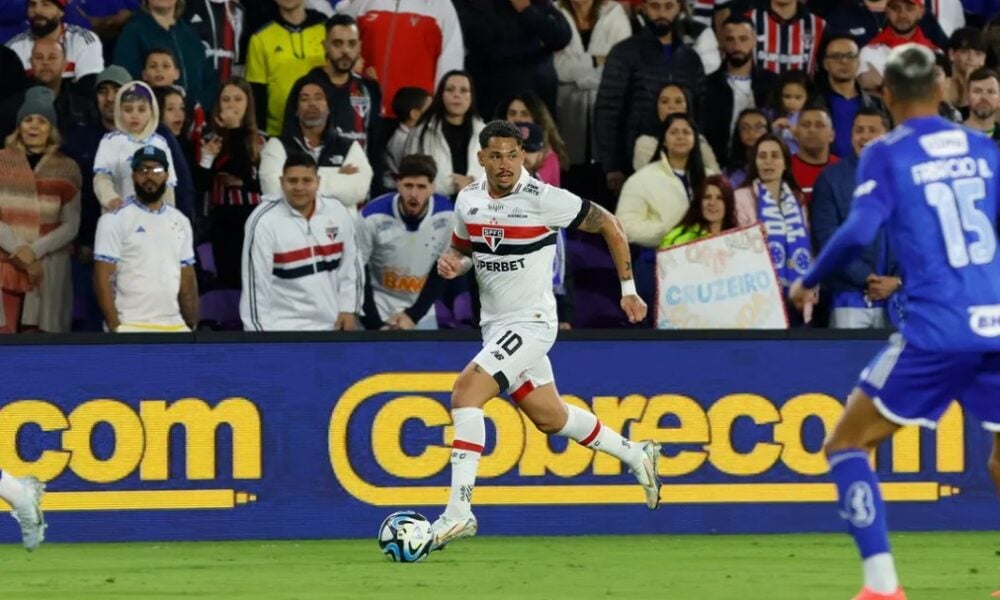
x: 299, y: 274
x: 149, y: 249
x: 398, y: 257
x: 84, y: 52
x: 513, y: 243
x: 114, y: 157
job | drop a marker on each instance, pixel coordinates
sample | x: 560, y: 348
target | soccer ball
x: 405, y: 536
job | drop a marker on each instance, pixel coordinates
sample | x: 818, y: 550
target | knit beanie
x: 38, y: 101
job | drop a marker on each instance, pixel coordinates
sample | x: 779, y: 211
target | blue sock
x: 860, y: 501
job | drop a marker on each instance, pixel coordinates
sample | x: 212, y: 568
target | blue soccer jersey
x: 932, y: 183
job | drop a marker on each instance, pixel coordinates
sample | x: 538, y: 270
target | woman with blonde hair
x: 39, y: 218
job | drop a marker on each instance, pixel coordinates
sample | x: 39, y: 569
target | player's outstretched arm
x: 599, y: 220
x: 455, y: 262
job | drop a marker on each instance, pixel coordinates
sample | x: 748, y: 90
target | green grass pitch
x: 945, y: 566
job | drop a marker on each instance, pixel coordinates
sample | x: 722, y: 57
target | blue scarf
x: 787, y: 236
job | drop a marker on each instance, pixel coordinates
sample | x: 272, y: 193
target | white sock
x: 11, y: 489
x: 880, y: 573
x: 583, y: 426
x: 470, y: 436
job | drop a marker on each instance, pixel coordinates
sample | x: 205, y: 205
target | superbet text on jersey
x: 513, y: 244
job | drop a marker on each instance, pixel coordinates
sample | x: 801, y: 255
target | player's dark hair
x: 407, y: 100
x: 873, y: 111
x: 299, y: 159
x: 982, y: 74
x: 340, y: 20
x: 500, y: 129
x: 909, y: 74
x: 695, y: 169
x: 417, y: 165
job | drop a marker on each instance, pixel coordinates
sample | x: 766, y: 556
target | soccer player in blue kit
x: 932, y: 185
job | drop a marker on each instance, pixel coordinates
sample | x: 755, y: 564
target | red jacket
x: 408, y: 43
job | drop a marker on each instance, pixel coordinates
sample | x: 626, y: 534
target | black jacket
x: 633, y: 75
x: 335, y: 146
x: 716, y: 105
x: 509, y: 52
x: 359, y: 92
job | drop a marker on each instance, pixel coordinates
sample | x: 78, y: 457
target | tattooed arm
x: 599, y: 220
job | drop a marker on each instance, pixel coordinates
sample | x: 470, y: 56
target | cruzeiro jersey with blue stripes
x: 513, y: 245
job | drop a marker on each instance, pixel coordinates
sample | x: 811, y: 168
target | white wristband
x: 628, y: 288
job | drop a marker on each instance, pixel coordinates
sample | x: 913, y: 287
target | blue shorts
x: 914, y: 387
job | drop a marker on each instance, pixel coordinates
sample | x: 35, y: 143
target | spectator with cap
x: 84, y: 53
x: 159, y: 25
x: 47, y: 63
x: 864, y: 19
x: 39, y: 217
x: 535, y: 152
x: 137, y: 117
x: 903, y: 19
x: 144, y: 272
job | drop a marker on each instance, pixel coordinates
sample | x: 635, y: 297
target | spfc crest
x: 331, y: 233
x: 493, y: 236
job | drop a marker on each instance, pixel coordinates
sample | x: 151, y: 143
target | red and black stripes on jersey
x: 307, y: 261
x: 787, y: 45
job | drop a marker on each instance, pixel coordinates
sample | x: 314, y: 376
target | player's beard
x: 41, y: 27
x: 150, y: 197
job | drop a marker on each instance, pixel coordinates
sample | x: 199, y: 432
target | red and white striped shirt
x: 787, y: 45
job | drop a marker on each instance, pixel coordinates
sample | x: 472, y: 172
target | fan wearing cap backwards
x: 137, y: 115
x: 562, y: 279
x: 902, y: 27
x: 144, y: 256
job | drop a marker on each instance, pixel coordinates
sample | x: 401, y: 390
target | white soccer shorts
x: 516, y: 356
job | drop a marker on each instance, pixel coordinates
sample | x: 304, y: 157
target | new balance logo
x: 278, y: 49
x: 497, y: 355
x: 140, y: 229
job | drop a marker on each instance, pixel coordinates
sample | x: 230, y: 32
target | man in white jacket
x: 301, y: 267
x: 344, y: 170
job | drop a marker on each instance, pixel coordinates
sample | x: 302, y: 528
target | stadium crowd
x: 146, y: 142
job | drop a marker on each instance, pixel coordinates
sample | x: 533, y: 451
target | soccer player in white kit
x: 505, y: 228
